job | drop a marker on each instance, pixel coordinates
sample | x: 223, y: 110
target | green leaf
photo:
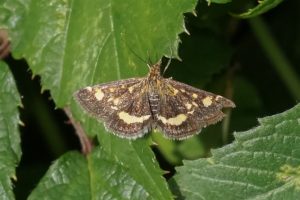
x: 166, y: 147
x: 73, y: 44
x: 140, y: 161
x: 191, y: 148
x: 74, y: 176
x: 10, y: 150
x: 263, y: 163
x: 262, y: 7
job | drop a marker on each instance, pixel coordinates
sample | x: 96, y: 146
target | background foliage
x: 223, y: 48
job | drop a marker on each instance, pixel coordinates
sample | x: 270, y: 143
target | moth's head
x: 154, y: 70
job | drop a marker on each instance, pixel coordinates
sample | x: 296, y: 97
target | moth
x: 133, y: 107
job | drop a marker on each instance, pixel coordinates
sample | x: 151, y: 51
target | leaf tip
x: 166, y: 172
x: 21, y: 123
x: 14, y: 177
x: 154, y: 144
x: 194, y: 12
x: 208, y: 2
x: 185, y: 30
x: 20, y: 104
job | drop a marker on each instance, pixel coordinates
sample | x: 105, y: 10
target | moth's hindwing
x: 185, y: 110
x: 122, y: 106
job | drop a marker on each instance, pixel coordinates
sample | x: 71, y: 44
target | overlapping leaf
x: 73, y: 44
x: 10, y: 150
x: 262, y: 7
x: 263, y: 163
x: 95, y: 177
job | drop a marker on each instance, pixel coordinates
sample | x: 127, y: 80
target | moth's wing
x: 122, y: 105
x: 99, y: 100
x: 185, y: 110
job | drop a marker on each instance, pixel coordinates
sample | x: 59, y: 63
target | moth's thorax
x: 154, y: 73
x: 154, y: 85
x: 154, y: 77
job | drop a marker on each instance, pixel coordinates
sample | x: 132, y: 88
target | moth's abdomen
x: 154, y: 103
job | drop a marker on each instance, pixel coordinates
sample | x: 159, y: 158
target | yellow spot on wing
x: 99, y: 94
x: 175, y: 91
x: 207, y: 101
x: 218, y: 97
x: 111, y: 89
x: 116, y: 101
x: 191, y: 112
x: 110, y: 99
x: 130, y: 119
x: 114, y: 108
x: 179, y: 119
x: 188, y: 106
x: 194, y: 96
x: 130, y: 89
x: 89, y: 88
x: 195, y: 104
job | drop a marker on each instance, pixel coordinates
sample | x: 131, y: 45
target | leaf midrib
x: 65, y: 40
x: 146, y: 170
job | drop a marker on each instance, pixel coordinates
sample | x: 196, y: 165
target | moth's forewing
x: 121, y: 105
x: 185, y: 110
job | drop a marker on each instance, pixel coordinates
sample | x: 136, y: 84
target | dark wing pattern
x: 122, y: 106
x: 185, y: 110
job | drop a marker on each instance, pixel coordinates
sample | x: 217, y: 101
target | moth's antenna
x: 169, y: 61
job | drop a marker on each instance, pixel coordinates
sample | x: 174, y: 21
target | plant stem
x: 228, y: 94
x: 279, y: 61
x: 86, y: 143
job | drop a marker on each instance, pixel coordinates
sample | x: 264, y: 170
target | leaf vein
x: 112, y: 26
x: 63, y: 56
x: 227, y: 181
